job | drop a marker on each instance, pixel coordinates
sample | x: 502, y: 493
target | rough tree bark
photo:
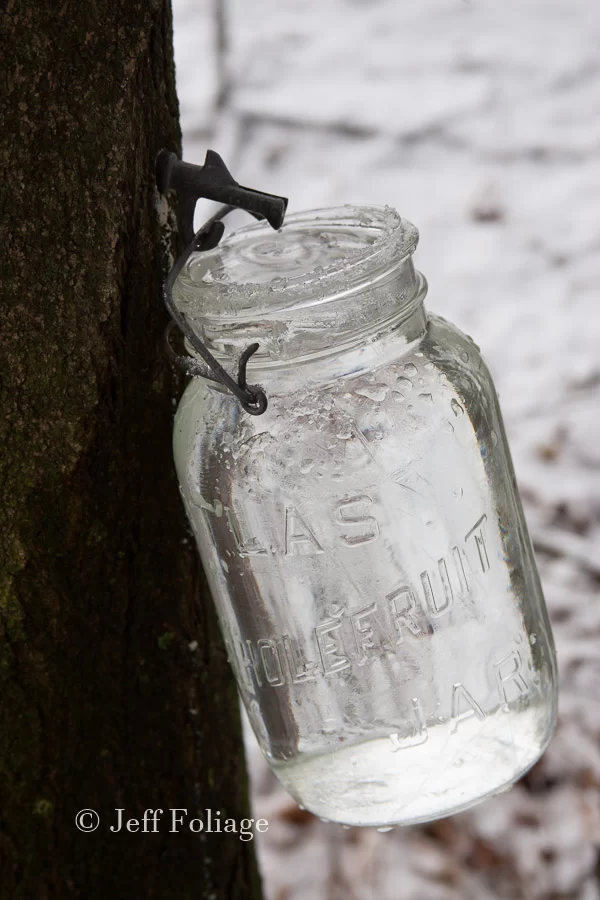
x: 114, y: 687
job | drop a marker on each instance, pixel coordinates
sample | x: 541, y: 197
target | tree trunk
x: 115, y: 691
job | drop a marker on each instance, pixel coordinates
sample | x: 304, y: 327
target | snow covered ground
x: 479, y: 121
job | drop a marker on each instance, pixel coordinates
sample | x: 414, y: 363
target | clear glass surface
x: 364, y: 539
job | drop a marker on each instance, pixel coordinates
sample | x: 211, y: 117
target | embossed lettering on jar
x: 364, y: 539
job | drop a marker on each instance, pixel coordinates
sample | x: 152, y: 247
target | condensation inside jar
x: 279, y: 287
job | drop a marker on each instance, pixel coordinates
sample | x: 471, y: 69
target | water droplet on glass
x: 427, y: 398
x: 306, y: 465
x: 383, y: 829
x: 405, y: 384
x: 346, y: 827
x: 428, y: 365
x: 456, y: 408
x: 494, y: 438
x: 376, y: 392
x: 410, y: 369
x: 458, y: 493
x: 464, y: 356
x: 447, y: 426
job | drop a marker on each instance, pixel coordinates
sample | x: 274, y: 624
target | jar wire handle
x: 212, y: 181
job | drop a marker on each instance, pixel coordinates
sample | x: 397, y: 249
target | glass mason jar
x: 363, y: 539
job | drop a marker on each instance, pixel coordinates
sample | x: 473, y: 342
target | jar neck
x: 393, y: 298
x: 396, y: 326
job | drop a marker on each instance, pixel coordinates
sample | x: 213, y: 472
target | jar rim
x: 318, y: 256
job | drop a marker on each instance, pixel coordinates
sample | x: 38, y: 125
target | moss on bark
x: 98, y: 708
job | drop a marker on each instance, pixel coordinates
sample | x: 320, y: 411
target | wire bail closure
x: 212, y: 181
